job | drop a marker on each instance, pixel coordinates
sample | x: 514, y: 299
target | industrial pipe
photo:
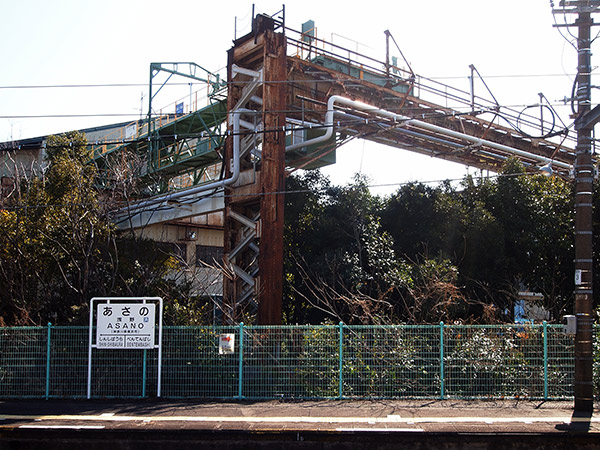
x: 329, y: 123
x: 235, y: 173
x: 329, y: 130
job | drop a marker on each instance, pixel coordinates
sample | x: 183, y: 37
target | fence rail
x: 303, y: 362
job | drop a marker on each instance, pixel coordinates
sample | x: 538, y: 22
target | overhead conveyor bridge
x: 399, y: 109
x: 173, y: 145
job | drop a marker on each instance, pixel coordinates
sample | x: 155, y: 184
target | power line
x: 343, y: 123
x: 325, y: 190
x: 236, y: 83
x: 76, y: 86
x: 113, y: 85
x: 67, y: 116
x: 407, y: 110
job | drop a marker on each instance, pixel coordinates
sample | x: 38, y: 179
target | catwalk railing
x: 299, y: 362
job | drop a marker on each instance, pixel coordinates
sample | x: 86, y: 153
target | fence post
x: 48, y: 350
x: 341, y: 361
x: 144, y: 372
x: 545, y: 360
x: 442, y: 387
x: 241, y: 361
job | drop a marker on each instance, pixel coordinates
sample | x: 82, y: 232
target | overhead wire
x: 157, y: 115
x: 325, y: 189
x: 230, y: 83
x: 221, y: 134
x: 571, y: 42
x: 237, y: 82
x: 407, y: 110
x: 559, y: 26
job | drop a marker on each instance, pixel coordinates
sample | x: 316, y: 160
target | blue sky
x: 86, y: 42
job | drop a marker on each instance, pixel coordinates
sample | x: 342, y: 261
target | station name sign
x: 125, y: 325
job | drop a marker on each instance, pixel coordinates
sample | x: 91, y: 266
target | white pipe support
x: 235, y: 69
x: 256, y: 99
x: 247, y: 125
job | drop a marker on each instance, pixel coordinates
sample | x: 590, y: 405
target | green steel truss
x: 179, y: 149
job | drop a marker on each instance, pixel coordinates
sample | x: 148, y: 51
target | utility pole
x: 584, y: 182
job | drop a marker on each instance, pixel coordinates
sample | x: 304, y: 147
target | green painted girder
x: 185, y: 129
x: 312, y: 156
x: 204, y: 119
x: 190, y: 141
x: 186, y: 155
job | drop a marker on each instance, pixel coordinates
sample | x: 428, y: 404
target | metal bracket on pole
x: 588, y: 120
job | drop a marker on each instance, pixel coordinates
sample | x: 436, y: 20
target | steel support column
x: 255, y: 204
x: 272, y: 180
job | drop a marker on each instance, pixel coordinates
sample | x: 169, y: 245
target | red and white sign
x: 226, y: 343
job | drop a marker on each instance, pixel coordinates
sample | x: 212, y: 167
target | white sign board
x: 125, y: 325
x: 578, y: 277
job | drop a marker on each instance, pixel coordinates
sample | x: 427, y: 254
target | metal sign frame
x: 124, y: 301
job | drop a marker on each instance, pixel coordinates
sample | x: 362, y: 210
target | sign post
x: 125, y: 323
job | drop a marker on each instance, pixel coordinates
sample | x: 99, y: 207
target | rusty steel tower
x: 294, y: 98
x: 254, y: 204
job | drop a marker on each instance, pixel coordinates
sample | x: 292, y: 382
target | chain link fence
x: 299, y: 362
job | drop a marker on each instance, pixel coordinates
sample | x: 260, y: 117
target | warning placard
x: 226, y: 344
x: 125, y: 325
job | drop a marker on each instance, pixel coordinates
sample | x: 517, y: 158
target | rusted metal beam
x: 254, y: 253
x: 273, y: 180
x: 310, y: 83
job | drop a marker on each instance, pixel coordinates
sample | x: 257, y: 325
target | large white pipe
x: 494, y: 145
x: 328, y: 126
x: 235, y: 173
x: 329, y: 123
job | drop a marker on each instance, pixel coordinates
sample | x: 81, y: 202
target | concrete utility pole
x: 584, y: 181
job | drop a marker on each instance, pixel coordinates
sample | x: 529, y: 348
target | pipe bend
x: 235, y: 173
x: 417, y: 124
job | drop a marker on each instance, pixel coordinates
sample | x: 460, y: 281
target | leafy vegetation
x: 427, y: 254
x: 59, y: 248
x: 423, y: 255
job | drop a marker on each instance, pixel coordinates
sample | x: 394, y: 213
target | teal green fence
x: 299, y: 362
